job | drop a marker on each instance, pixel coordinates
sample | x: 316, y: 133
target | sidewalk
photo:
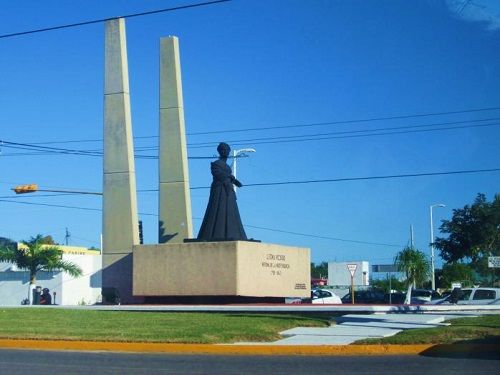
x: 353, y: 327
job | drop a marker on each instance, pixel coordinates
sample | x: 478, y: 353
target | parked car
x: 325, y: 296
x: 317, y: 296
x: 396, y: 298
x: 419, y: 296
x: 365, y: 297
x: 473, y: 296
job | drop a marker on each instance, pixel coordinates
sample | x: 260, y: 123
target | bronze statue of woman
x: 222, y: 219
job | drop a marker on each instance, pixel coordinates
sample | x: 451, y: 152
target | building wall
x: 338, y: 273
x: 14, y: 283
x: 85, y: 289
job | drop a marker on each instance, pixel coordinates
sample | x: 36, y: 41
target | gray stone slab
x: 317, y: 340
x: 356, y: 327
x: 392, y: 321
x: 340, y: 330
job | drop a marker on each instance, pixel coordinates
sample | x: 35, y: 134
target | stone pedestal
x: 229, y: 268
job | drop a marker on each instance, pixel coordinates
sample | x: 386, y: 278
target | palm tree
x: 35, y: 257
x: 415, y: 265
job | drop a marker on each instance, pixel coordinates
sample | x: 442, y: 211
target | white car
x: 325, y: 296
x: 419, y: 296
x: 474, y: 296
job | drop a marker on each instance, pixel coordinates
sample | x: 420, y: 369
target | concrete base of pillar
x: 117, y: 280
x: 221, y: 269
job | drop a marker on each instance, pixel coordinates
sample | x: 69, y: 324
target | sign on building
x: 384, y: 268
x: 493, y: 262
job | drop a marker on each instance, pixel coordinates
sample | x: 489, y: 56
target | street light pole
x: 236, y: 153
x: 433, y: 275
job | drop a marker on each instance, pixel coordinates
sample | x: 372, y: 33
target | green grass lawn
x: 128, y: 326
x: 209, y: 328
x: 484, y: 329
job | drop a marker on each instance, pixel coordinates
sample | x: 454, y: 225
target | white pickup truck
x: 473, y: 296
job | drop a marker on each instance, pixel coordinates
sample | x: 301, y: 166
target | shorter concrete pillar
x: 175, y: 222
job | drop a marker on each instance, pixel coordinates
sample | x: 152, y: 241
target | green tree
x: 319, y: 270
x: 415, y: 266
x: 47, y: 240
x: 383, y: 284
x: 456, y: 272
x: 473, y: 234
x: 6, y: 242
x: 35, y: 257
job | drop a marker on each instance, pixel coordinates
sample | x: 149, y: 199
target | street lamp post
x: 236, y: 153
x: 433, y: 275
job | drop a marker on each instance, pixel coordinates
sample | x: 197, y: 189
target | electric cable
x: 42, y: 150
x: 250, y: 226
x: 428, y: 174
x: 408, y: 116
x: 84, y: 23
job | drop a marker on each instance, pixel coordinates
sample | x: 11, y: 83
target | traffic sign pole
x: 352, y: 270
x: 352, y: 289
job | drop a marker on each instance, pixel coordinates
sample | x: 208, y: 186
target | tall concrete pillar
x: 175, y: 222
x: 119, y: 218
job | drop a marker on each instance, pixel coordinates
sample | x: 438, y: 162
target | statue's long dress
x: 222, y: 219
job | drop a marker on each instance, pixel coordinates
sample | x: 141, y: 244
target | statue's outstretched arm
x: 236, y: 182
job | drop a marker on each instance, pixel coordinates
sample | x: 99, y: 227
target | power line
x: 321, y: 137
x: 351, y: 131
x: 373, y: 177
x: 428, y: 174
x: 301, y: 125
x: 250, y: 226
x: 51, y: 205
x: 78, y: 24
x: 384, y: 177
x: 64, y: 206
x: 323, y: 237
x: 351, y: 121
x: 28, y: 146
x: 289, y: 183
x: 44, y: 150
x: 35, y: 196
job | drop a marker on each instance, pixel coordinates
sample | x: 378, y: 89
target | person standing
x: 45, y: 297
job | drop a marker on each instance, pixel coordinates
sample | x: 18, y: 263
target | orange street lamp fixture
x: 23, y: 189
x: 32, y: 188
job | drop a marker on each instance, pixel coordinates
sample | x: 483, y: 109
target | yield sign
x: 352, y: 268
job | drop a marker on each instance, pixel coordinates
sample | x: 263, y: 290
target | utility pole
x: 433, y: 264
x: 67, y: 236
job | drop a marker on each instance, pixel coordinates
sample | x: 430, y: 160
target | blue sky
x: 265, y: 64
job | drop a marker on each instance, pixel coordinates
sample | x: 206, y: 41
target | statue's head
x: 223, y: 149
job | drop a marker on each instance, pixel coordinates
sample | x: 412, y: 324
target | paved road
x: 14, y: 362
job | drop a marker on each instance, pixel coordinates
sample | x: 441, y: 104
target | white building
x: 86, y: 289
x: 339, y: 275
